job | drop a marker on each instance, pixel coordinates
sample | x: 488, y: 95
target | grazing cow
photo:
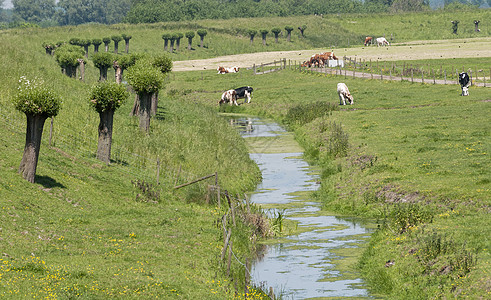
x: 465, y: 82
x: 244, y: 92
x: 224, y: 70
x: 230, y: 97
x: 381, y: 41
x: 368, y: 40
x: 344, y: 94
x: 319, y: 60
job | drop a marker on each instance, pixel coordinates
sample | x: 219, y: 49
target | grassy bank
x: 94, y: 231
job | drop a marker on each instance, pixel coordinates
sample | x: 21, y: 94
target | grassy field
x: 81, y: 231
x: 417, y: 163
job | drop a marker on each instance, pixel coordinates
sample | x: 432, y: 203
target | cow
x: 230, y: 97
x: 244, y: 92
x: 344, y: 94
x: 465, y: 82
x: 224, y: 70
x: 368, y: 40
x: 381, y: 41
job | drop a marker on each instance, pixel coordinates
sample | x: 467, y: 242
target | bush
x: 306, y: 113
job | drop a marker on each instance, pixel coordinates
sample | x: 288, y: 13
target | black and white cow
x: 465, y: 82
x: 244, y: 92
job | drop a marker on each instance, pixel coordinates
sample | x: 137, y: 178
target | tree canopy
x: 34, y: 98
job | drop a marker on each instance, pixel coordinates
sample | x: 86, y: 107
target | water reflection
x: 300, y: 266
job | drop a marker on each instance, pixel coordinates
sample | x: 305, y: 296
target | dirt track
x: 479, y: 47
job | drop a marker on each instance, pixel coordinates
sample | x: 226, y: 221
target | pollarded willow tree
x: 105, y: 97
x: 264, y: 32
x: 103, y: 61
x: 38, y: 103
x: 106, y: 41
x: 126, y: 38
x: 178, y: 36
x: 145, y: 80
x: 289, y: 30
x: 164, y: 64
x: 96, y: 43
x: 123, y: 62
x: 276, y: 31
x: 190, y: 36
x: 68, y: 57
x: 166, y: 37
x: 202, y: 33
x: 252, y: 34
x: 116, y: 39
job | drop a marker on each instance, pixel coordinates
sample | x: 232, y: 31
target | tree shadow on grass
x: 48, y: 182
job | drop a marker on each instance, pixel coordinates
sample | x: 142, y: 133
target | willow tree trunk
x: 106, y: 46
x: 190, y: 41
x: 178, y: 44
x: 144, y: 110
x: 103, y: 74
x: 82, y: 69
x: 116, y: 45
x: 166, y: 43
x: 34, y: 132
x: 118, y: 72
x: 135, y: 111
x: 155, y: 103
x: 201, y: 41
x: 127, y: 46
x: 96, y: 48
x: 105, y: 136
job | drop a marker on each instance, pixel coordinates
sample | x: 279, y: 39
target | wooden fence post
x: 229, y: 260
x: 445, y: 74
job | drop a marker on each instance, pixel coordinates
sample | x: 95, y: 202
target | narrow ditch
x: 316, y: 254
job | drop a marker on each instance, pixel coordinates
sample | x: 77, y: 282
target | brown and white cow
x: 368, y: 40
x: 381, y: 41
x: 344, y: 94
x: 229, y: 97
x: 224, y: 70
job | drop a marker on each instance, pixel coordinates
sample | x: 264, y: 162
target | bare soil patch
x: 437, y: 49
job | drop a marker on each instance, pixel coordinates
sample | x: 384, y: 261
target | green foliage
x: 166, y: 36
x: 190, y: 34
x: 67, y: 55
x: 264, y: 31
x: 144, y: 78
x: 304, y: 113
x: 75, y: 41
x: 251, y: 33
x: 202, y: 32
x: 162, y: 62
x: 289, y: 29
x: 276, y: 31
x: 126, y: 37
x: 116, y: 38
x: 107, y: 96
x: 34, y: 98
x: 103, y: 60
x: 404, y: 216
x: 106, y: 40
x: 97, y: 42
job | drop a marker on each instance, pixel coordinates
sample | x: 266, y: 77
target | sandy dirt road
x: 441, y: 49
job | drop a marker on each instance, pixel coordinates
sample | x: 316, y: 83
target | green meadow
x: 415, y: 158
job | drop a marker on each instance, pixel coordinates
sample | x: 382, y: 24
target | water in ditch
x: 316, y: 259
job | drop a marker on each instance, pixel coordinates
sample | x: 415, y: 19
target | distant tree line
x: 74, y: 12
